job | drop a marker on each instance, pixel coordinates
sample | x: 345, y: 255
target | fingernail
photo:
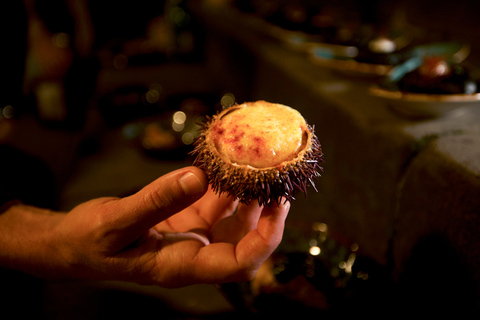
x: 190, y: 184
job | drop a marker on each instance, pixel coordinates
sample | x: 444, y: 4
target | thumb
x: 167, y: 195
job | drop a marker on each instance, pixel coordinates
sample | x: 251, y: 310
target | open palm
x: 160, y: 236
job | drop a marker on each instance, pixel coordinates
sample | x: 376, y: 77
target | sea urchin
x: 259, y: 151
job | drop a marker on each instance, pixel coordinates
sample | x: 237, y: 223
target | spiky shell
x: 247, y: 183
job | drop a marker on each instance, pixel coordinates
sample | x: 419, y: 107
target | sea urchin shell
x: 259, y: 151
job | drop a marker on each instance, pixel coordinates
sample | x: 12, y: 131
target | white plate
x: 422, y: 105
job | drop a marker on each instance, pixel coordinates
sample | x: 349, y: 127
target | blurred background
x: 100, y: 98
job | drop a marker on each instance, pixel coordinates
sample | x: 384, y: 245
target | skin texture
x: 122, y: 238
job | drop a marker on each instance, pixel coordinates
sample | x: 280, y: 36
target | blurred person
x: 61, y: 70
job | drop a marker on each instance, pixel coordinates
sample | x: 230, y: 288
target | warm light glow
x: 382, y: 45
x: 349, y: 263
x: 187, y: 138
x: 154, y: 92
x: 228, y: 99
x: 351, y: 52
x: 320, y: 226
x: 354, y: 247
x: 441, y: 69
x: 8, y: 112
x: 315, y: 251
x: 178, y: 126
x: 179, y: 117
x: 152, y: 96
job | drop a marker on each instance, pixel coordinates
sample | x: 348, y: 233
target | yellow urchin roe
x: 259, y: 134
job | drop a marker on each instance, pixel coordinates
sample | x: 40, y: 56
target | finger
x: 227, y: 262
x: 200, y: 215
x: 259, y: 244
x: 214, y: 207
x: 232, y: 229
x: 132, y: 216
x: 247, y: 216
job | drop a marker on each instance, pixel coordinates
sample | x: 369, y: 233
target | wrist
x: 6, y: 201
x: 27, y: 240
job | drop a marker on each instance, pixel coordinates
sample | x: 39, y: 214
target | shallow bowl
x: 423, y: 105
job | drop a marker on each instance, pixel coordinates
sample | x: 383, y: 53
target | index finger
x: 212, y: 206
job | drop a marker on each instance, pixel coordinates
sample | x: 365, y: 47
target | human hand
x: 131, y: 238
